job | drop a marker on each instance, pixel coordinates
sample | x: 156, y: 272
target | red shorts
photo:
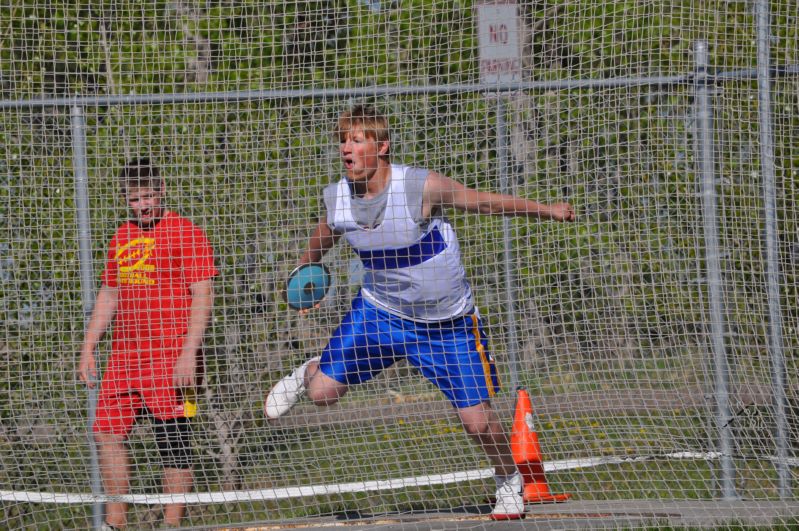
x: 139, y: 375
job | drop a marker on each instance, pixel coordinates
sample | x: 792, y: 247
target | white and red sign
x: 498, y: 37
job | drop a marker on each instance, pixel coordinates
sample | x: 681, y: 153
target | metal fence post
x: 78, y: 126
x: 704, y: 135
x: 772, y: 247
x: 510, y: 277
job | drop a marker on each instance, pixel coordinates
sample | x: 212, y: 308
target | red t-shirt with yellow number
x: 152, y: 269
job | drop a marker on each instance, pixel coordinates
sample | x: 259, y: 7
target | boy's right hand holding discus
x: 307, y: 286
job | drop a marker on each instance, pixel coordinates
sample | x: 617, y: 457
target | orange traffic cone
x: 527, y: 454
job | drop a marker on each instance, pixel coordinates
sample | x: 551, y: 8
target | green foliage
x: 617, y: 300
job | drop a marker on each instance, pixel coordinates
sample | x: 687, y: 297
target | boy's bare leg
x: 483, y: 426
x: 176, y: 481
x: 115, y: 471
x: 322, y: 389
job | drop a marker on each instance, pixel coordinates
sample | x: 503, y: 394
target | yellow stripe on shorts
x: 483, y: 358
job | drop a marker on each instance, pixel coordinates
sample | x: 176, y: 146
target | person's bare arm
x: 322, y: 240
x: 441, y: 191
x: 105, y: 307
x: 202, y: 300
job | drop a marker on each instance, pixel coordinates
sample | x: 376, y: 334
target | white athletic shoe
x: 510, y: 503
x: 287, y: 391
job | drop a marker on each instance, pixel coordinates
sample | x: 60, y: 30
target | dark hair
x: 140, y: 173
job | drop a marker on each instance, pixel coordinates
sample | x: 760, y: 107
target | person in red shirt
x: 157, y: 290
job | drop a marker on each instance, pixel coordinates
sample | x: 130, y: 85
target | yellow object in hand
x: 189, y: 403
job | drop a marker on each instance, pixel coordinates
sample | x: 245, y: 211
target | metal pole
x: 79, y: 163
x: 772, y: 247
x: 322, y: 93
x: 704, y: 118
x: 508, y: 255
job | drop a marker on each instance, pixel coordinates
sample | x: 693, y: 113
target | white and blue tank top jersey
x: 412, y: 266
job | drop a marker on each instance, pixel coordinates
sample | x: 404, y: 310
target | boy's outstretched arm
x: 441, y: 191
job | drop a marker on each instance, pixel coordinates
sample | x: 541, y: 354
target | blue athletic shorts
x: 450, y: 354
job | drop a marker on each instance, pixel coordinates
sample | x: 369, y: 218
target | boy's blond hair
x: 373, y: 124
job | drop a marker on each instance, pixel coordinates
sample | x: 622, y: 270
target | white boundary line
x: 341, y: 488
